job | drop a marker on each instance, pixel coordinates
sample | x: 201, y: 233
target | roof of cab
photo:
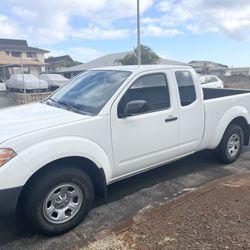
x: 141, y: 68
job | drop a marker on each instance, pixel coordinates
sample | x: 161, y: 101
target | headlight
x: 5, y: 155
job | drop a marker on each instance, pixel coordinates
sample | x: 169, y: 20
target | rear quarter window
x: 186, y: 87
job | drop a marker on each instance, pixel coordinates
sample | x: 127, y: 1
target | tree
x: 148, y: 56
x: 129, y: 59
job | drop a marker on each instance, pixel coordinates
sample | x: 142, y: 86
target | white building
x: 238, y: 71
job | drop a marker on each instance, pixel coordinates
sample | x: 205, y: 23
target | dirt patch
x: 216, y: 216
x: 237, y: 85
x: 112, y: 242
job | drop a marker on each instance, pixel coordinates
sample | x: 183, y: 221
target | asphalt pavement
x: 127, y: 198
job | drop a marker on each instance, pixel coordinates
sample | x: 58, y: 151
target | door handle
x: 171, y: 119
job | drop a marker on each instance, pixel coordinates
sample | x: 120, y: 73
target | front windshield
x: 90, y: 91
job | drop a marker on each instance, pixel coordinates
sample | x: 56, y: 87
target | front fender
x: 226, y: 119
x: 45, y: 152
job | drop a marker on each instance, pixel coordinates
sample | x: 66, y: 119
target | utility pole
x: 138, y: 34
x: 4, y: 72
x: 24, y: 84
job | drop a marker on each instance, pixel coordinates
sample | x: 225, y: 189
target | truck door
x: 191, y: 111
x: 148, y: 137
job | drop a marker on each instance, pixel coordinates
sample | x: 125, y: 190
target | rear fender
x: 227, y: 118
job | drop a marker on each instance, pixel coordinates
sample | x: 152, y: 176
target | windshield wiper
x: 73, y: 108
x: 69, y: 106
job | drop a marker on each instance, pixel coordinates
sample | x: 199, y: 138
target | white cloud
x: 118, y: 9
x: 165, y: 5
x: 8, y: 28
x: 225, y: 16
x: 99, y: 33
x: 157, y: 31
x: 80, y: 54
x: 52, y: 21
x: 150, y: 20
x: 25, y: 13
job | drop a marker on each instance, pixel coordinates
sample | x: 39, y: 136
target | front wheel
x: 231, y: 144
x: 58, y: 201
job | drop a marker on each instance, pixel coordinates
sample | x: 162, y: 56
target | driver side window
x: 152, y: 88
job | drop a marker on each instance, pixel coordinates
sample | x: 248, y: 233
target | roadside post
x: 24, y: 85
x: 138, y: 34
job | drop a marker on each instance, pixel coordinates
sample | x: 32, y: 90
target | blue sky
x: 183, y: 30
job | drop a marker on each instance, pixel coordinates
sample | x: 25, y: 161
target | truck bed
x: 211, y: 93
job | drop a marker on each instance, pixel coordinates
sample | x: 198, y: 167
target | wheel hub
x: 62, y: 203
x: 61, y: 200
x: 233, y: 145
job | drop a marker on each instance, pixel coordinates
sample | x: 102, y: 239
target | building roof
x: 18, y: 45
x: 164, y: 61
x: 110, y: 60
x: 16, y: 42
x: 208, y: 63
x: 6, y: 60
x: 56, y: 59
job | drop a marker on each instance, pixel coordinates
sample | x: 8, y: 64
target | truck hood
x: 32, y: 117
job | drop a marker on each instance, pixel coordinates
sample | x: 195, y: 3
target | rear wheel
x: 58, y: 201
x: 231, y: 144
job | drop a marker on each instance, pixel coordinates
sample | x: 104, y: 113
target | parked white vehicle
x: 211, y: 81
x: 106, y: 125
x: 54, y: 80
x: 2, y: 86
x: 26, y: 81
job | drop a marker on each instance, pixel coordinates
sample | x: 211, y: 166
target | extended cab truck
x: 105, y: 125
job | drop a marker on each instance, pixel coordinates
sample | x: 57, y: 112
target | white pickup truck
x: 105, y: 125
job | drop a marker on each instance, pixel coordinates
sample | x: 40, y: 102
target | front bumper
x: 8, y: 200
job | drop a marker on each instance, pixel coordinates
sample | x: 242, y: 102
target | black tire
x: 34, y: 200
x: 224, y: 153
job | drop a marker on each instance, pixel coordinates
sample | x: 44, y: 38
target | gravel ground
x: 216, y: 216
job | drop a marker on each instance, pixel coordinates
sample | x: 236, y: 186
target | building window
x: 16, y: 53
x: 31, y: 55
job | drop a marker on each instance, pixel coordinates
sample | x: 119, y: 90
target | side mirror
x: 134, y: 107
x: 202, y: 80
